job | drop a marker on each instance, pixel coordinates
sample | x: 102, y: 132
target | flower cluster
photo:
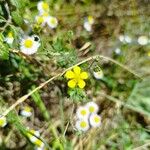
x: 141, y: 40
x: 43, y: 17
x: 87, y: 117
x: 89, y: 21
x: 76, y: 77
x: 34, y: 137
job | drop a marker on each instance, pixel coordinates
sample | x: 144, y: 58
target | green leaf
x: 17, y: 18
x: 4, y: 51
x: 140, y: 97
x: 18, y: 3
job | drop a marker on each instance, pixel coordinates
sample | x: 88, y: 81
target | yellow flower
x: 76, y: 77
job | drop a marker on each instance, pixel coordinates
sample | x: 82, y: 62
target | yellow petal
x: 72, y: 83
x: 84, y: 75
x: 77, y: 70
x: 69, y: 74
x: 81, y: 84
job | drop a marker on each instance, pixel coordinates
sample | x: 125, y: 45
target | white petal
x: 92, y: 120
x: 92, y: 105
x: 143, y: 40
x: 79, y: 112
x: 87, y: 26
x: 79, y: 128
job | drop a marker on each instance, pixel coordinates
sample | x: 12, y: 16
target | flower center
x: 10, y: 35
x: 40, y: 20
x: 83, y: 112
x: 45, y: 6
x: 53, y: 21
x: 2, y: 122
x: 27, y: 109
x: 28, y: 43
x: 97, y: 119
x: 90, y: 19
x: 83, y: 124
x: 38, y: 142
x: 91, y: 109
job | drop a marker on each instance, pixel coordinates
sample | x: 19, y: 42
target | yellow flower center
x: 90, y: 19
x: 83, y: 124
x: 27, y: 109
x: 40, y: 20
x: 53, y: 21
x: 28, y: 43
x: 97, y: 119
x: 91, y: 109
x: 10, y: 35
x: 45, y: 6
x: 38, y: 142
x: 45, y: 14
x: 2, y: 122
x: 83, y: 112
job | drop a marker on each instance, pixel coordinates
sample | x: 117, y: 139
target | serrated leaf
x: 18, y: 3
x: 4, y: 51
x: 17, y: 18
x: 140, y: 97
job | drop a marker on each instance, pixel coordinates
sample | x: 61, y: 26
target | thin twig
x: 23, y: 98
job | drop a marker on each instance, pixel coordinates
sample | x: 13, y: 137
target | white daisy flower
x: 34, y: 138
x: 26, y: 111
x: 52, y: 22
x: 92, y: 107
x: 40, y: 20
x: 122, y: 38
x: 3, y: 121
x: 87, y: 26
x: 29, y: 46
x: 95, y: 120
x: 42, y: 7
x: 9, y: 39
x: 82, y: 125
x: 82, y: 112
x: 143, y: 40
x: 125, y: 39
x: 98, y: 74
x: 88, y: 23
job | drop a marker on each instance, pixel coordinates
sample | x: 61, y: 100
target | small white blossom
x: 42, y: 7
x: 34, y: 138
x: 26, y: 111
x: 52, y: 22
x: 82, y: 112
x: 127, y: 39
x: 82, y: 125
x: 29, y: 46
x: 95, y: 120
x: 88, y: 23
x: 87, y: 26
x: 92, y: 107
x: 9, y: 39
x: 98, y: 74
x: 143, y: 40
x: 3, y: 121
x: 118, y: 51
